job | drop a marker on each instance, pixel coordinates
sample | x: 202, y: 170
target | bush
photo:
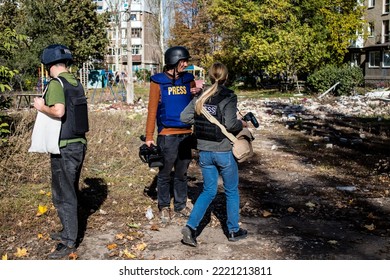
x: 349, y: 78
x: 143, y: 75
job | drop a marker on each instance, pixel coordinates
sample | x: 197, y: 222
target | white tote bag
x: 46, y: 135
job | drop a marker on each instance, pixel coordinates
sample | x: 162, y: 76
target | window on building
x: 136, y: 49
x: 386, y: 4
x: 136, y: 32
x: 386, y: 59
x: 374, y: 58
x: 133, y: 17
x: 112, y: 51
x: 386, y: 31
x: 355, y: 58
x: 371, y: 3
x: 371, y: 29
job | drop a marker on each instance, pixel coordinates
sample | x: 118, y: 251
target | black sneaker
x: 189, y: 236
x: 239, y: 234
x: 61, y: 251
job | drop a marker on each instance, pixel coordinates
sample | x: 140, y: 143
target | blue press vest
x: 174, y: 98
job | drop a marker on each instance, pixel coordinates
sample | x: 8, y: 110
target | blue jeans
x: 212, y: 165
x: 66, y: 169
x: 177, y: 155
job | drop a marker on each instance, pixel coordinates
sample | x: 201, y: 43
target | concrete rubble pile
x: 296, y: 112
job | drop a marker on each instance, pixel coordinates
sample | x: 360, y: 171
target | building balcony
x: 110, y: 59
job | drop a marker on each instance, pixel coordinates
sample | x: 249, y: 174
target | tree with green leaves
x: 73, y: 23
x: 9, y: 41
x: 279, y: 36
x: 191, y: 29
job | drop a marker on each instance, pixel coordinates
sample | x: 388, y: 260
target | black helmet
x: 56, y: 53
x: 174, y: 54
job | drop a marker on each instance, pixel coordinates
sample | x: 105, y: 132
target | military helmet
x: 174, y: 54
x: 56, y: 53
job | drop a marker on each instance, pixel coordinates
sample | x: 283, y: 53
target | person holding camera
x: 215, y: 153
x: 170, y: 92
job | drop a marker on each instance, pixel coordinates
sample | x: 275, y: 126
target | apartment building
x: 371, y: 51
x: 141, y: 17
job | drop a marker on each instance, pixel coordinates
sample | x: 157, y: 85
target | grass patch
x: 112, y: 167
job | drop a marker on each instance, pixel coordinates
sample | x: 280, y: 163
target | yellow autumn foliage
x: 42, y: 209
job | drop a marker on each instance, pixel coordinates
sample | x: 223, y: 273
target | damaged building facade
x: 141, y: 17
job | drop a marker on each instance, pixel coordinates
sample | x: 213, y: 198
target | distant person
x: 117, y: 78
x: 170, y: 92
x: 215, y: 153
x: 65, y: 100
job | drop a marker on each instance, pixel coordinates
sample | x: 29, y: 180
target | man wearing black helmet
x: 64, y: 99
x: 170, y: 92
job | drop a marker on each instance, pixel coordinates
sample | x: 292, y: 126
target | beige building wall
x: 377, y: 43
x: 145, y: 40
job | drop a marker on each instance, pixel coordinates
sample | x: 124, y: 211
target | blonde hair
x: 218, y: 74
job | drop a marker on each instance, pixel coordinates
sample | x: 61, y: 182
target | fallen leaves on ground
x: 42, y: 209
x: 154, y: 227
x: 370, y: 227
x: 310, y: 204
x: 141, y: 246
x: 73, y: 256
x: 112, y: 246
x: 266, y: 213
x: 21, y: 252
x: 128, y: 254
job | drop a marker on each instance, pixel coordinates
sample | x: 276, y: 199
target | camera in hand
x: 249, y: 117
x: 151, y: 155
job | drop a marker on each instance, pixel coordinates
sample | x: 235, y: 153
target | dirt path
x: 301, y: 198
x: 317, y: 188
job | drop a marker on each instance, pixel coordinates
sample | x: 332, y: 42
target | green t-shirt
x: 55, y: 94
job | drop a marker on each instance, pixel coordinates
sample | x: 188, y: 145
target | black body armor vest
x: 75, y: 119
x: 203, y: 128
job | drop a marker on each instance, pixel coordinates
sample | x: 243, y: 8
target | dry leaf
x: 130, y: 238
x: 370, y: 227
x: 333, y: 242
x: 112, y: 246
x: 42, y: 192
x: 310, y: 204
x: 266, y: 213
x: 155, y: 227
x: 40, y: 236
x: 290, y: 210
x: 128, y: 254
x: 4, y: 257
x: 73, y: 256
x: 133, y: 225
x: 372, y: 216
x: 119, y: 236
x: 42, y: 209
x: 21, y: 252
x: 141, y: 246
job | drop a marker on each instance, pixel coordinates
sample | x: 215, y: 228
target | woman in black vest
x: 215, y: 153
